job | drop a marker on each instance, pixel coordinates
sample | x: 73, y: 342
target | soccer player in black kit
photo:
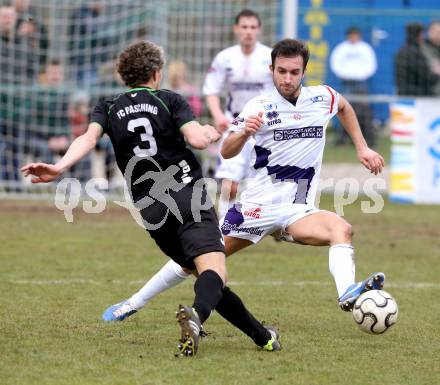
x: 148, y: 128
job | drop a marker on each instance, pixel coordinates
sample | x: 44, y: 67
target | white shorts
x: 236, y: 168
x: 253, y: 222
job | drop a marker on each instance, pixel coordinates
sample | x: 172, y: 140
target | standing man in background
x: 242, y: 72
x: 411, y: 67
x: 354, y: 62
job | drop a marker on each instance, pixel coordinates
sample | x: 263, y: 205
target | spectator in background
x: 79, y: 111
x: 48, y: 133
x: 353, y: 61
x: 431, y: 49
x: 8, y: 44
x: 87, y: 33
x: 8, y: 20
x: 12, y: 107
x: 177, y: 79
x: 79, y: 116
x: 29, y: 27
x: 413, y: 74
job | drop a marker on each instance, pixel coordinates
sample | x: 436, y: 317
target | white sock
x: 341, y: 265
x: 223, y: 207
x: 170, y: 275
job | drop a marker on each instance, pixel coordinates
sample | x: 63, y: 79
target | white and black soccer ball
x: 375, y: 311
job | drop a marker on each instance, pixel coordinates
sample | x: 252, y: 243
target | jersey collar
x: 140, y: 89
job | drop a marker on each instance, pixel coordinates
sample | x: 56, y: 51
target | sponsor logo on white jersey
x: 253, y: 213
x: 270, y: 106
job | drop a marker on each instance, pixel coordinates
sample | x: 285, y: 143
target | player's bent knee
x: 342, y: 232
x: 347, y: 231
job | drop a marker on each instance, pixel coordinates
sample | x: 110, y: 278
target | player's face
x: 287, y: 76
x: 247, y: 31
x: 354, y: 37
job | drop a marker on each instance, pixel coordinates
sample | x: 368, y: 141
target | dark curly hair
x: 290, y: 48
x: 139, y: 61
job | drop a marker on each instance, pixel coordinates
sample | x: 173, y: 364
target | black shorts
x: 197, y: 234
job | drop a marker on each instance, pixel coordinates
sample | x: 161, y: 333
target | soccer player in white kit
x: 242, y: 72
x: 288, y: 126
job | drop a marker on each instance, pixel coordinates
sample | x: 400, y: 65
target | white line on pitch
x: 86, y: 281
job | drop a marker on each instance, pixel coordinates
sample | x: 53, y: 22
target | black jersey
x: 144, y: 127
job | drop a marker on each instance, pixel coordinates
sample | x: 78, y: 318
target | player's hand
x: 371, y: 160
x: 43, y: 172
x: 253, y: 123
x: 222, y: 123
x: 212, y: 134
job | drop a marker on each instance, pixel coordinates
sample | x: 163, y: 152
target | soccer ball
x: 375, y: 311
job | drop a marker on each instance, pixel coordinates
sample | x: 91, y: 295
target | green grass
x: 56, y: 278
x: 347, y: 154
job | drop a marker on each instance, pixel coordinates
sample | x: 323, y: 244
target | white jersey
x: 353, y: 61
x: 287, y: 154
x: 241, y: 76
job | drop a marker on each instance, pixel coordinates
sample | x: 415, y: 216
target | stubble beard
x: 290, y: 95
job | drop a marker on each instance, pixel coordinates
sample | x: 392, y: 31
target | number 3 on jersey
x: 146, y: 136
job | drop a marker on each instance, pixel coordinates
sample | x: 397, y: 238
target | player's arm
x: 198, y: 136
x: 234, y: 143
x: 79, y: 148
x: 368, y: 157
x: 214, y: 83
x: 214, y: 106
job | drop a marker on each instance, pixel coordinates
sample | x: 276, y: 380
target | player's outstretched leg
x: 118, y: 311
x: 168, y: 276
x: 373, y: 282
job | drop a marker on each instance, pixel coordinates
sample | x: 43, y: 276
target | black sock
x: 209, y: 291
x: 232, y: 309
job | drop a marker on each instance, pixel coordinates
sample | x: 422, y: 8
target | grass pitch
x: 56, y: 278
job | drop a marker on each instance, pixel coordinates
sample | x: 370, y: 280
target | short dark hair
x: 139, y: 61
x: 247, y: 13
x: 413, y: 32
x: 353, y: 29
x: 290, y: 48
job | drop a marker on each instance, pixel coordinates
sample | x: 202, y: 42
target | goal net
x: 57, y: 59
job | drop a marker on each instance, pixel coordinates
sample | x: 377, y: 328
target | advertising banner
x: 415, y: 151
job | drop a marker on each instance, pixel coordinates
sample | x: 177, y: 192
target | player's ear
x: 271, y: 67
